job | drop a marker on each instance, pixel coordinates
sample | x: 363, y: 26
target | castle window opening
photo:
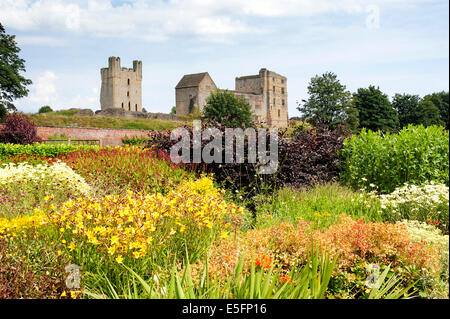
x: 282, y: 81
x: 282, y: 102
x: 122, y: 104
x: 128, y: 81
x: 128, y: 93
x: 279, y: 114
x: 129, y: 106
x: 282, y: 90
x: 135, y: 107
x: 274, y: 89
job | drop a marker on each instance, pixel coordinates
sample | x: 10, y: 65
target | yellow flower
x: 119, y: 259
x: 63, y: 294
x: 224, y: 235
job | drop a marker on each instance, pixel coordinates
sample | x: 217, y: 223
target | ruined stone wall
x: 250, y: 84
x: 277, y: 99
x: 121, y: 87
x: 204, y: 90
x: 256, y: 104
x: 272, y: 89
x: 183, y: 98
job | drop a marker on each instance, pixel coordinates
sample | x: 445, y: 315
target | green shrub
x: 228, y: 109
x: 47, y: 150
x: 45, y: 109
x: 135, y: 140
x: 415, y: 155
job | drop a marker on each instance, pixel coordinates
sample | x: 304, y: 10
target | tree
x: 441, y: 101
x: 406, y: 106
x: 228, y: 109
x: 428, y: 114
x: 329, y: 103
x: 45, y: 109
x: 17, y: 129
x: 3, y: 113
x: 375, y: 110
x: 173, y: 110
x: 12, y: 84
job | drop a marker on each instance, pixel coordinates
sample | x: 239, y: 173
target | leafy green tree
x: 375, y: 110
x: 3, y: 113
x: 12, y: 84
x: 441, y: 101
x: 45, y: 109
x: 173, y: 110
x: 228, y: 109
x: 329, y: 103
x: 406, y: 105
x: 428, y: 114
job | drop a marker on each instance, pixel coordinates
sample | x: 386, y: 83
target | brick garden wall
x: 106, y: 136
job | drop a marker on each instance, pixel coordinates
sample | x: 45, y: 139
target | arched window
x: 129, y: 106
x: 128, y: 81
x: 135, y: 107
x: 128, y: 93
x: 122, y: 104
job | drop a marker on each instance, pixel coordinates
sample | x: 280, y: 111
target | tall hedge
x: 415, y: 155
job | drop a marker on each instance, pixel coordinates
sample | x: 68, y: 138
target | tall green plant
x: 415, y: 155
x: 308, y: 282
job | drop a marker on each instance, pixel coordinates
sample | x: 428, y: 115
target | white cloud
x: 40, y: 40
x: 44, y: 90
x: 158, y: 20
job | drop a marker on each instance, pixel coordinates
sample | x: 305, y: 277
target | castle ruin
x: 266, y: 93
x: 121, y: 87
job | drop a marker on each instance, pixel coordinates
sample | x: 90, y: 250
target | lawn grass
x: 321, y: 204
x: 68, y: 119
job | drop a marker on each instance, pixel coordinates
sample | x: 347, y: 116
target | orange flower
x: 286, y: 278
x: 263, y: 261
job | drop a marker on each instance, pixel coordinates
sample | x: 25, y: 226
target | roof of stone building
x: 191, y: 80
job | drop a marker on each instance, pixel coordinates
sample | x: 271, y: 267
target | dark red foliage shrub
x: 18, y: 130
x: 310, y: 157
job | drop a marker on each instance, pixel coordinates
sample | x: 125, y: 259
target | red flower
x: 436, y: 222
x: 428, y: 220
x: 263, y: 261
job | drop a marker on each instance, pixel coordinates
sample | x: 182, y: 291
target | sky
x: 401, y: 46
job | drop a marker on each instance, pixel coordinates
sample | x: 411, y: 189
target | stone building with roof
x: 266, y: 93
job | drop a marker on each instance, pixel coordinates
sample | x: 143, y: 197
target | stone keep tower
x: 272, y: 87
x: 121, y: 87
